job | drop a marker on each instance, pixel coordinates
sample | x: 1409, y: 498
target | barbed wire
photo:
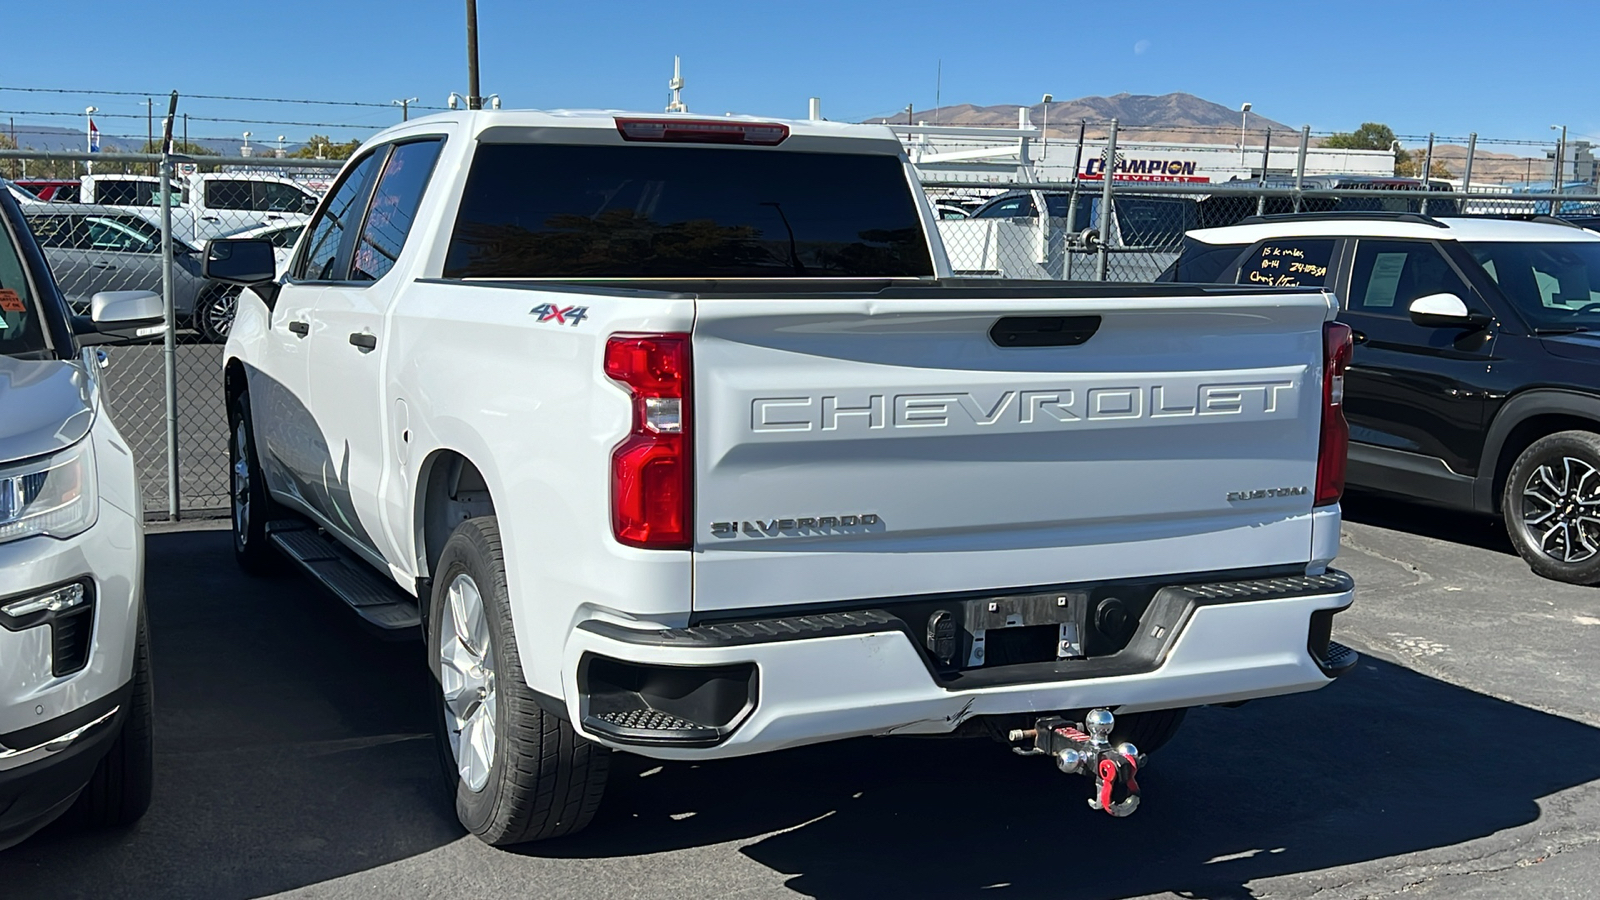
x: 183, y: 96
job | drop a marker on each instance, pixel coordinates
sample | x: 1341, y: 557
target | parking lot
x: 1460, y: 759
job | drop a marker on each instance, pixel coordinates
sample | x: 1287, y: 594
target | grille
x: 69, y: 641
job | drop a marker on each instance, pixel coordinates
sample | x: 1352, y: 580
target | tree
x: 1370, y: 136
x: 13, y: 166
x: 318, y: 146
x: 1411, y: 166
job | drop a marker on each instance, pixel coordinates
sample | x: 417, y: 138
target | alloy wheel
x: 467, y: 678
x: 219, y: 313
x: 1561, y: 509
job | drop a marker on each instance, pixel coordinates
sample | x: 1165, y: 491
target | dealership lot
x: 1462, y: 758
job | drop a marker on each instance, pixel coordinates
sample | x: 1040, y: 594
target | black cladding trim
x: 1043, y: 331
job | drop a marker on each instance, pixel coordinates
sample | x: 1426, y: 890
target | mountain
x: 50, y: 138
x: 1145, y: 117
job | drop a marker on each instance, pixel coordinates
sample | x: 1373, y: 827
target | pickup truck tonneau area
x: 677, y: 453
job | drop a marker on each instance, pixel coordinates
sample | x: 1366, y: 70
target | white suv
x: 75, y: 694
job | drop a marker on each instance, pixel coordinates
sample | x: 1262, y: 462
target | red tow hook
x: 1090, y: 754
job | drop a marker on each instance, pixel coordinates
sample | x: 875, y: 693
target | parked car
x: 208, y: 204
x: 54, y: 190
x: 75, y: 691
x: 1222, y: 210
x: 1475, y: 382
x: 654, y: 467
x: 94, y: 248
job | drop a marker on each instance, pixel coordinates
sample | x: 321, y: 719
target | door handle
x: 1358, y: 337
x: 300, y: 328
x: 363, y: 340
x: 102, y: 266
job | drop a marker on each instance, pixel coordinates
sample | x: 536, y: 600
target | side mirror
x: 120, y: 317
x: 1445, y: 311
x: 242, y: 261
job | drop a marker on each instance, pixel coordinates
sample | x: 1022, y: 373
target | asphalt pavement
x: 1460, y: 759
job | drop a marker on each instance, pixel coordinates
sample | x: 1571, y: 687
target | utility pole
x: 473, y: 100
x: 405, y: 107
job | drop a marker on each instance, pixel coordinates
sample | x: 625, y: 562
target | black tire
x: 119, y: 791
x: 214, y: 312
x: 1569, y: 460
x: 544, y: 781
x: 1148, y: 731
x: 249, y: 504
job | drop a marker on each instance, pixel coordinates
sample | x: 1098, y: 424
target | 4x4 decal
x: 561, y: 315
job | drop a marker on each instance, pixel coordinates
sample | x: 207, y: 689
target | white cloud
x: 1141, y: 47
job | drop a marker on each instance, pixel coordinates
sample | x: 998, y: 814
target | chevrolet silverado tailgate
x: 931, y: 439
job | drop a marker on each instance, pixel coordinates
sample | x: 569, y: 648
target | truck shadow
x: 1471, y: 529
x: 1383, y: 763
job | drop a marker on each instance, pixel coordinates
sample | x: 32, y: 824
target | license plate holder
x: 1067, y: 610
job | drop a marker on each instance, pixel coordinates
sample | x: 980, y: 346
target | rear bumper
x: 866, y: 680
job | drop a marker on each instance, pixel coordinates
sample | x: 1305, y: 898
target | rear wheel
x: 517, y: 772
x: 1552, y: 506
x: 250, y: 504
x: 119, y: 791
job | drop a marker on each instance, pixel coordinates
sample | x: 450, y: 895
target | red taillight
x: 652, y: 470
x: 1334, y: 448
x: 702, y: 131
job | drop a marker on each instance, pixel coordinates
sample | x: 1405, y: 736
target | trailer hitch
x: 1085, y: 749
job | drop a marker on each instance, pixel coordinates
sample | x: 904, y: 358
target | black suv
x: 1475, y: 382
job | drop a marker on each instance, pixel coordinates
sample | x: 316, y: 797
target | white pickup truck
x: 676, y: 436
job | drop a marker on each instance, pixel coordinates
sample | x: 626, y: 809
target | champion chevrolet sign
x: 1135, y: 169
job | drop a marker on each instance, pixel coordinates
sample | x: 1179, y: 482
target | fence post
x: 1072, y: 201
x: 170, y: 339
x: 1427, y: 174
x: 1107, y: 170
x: 1300, y: 164
x: 1266, y: 163
x: 1466, y: 175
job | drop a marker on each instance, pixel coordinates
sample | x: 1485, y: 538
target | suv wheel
x: 213, y: 315
x: 518, y: 772
x: 1552, y: 506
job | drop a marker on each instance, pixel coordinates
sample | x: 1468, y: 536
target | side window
x: 1288, y: 262
x: 393, y: 209
x: 273, y: 196
x: 222, y: 193
x: 113, y: 236
x: 1020, y: 207
x: 1388, y: 275
x: 58, y: 231
x: 327, y: 230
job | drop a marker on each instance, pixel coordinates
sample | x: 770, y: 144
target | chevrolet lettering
x: 1005, y: 410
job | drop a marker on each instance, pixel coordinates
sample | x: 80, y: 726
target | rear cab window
x: 604, y: 211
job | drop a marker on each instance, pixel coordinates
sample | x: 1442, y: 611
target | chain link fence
x: 1133, y: 231
x: 167, y: 398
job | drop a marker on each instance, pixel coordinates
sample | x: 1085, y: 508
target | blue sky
x: 1500, y: 70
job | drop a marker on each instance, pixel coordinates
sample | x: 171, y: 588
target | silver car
x: 97, y: 248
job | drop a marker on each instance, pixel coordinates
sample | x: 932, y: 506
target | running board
x: 386, y: 610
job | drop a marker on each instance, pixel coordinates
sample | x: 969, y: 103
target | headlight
x: 53, y: 495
